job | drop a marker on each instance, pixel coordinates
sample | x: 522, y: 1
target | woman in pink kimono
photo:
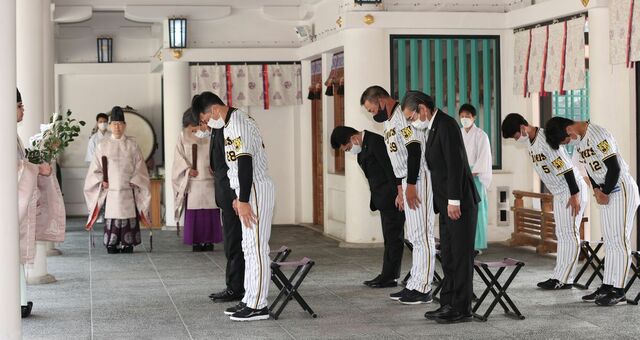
x: 119, y: 180
x: 193, y: 186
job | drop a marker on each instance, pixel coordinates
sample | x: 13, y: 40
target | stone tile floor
x: 163, y: 295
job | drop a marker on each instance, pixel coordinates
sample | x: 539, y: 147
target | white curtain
x: 520, y: 54
x: 635, y: 33
x: 211, y: 78
x: 619, y: 11
x: 575, y: 72
x: 285, y: 86
x: 247, y: 89
x: 554, y: 57
x: 536, y: 59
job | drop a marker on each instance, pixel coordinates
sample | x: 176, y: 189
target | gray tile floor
x: 163, y: 295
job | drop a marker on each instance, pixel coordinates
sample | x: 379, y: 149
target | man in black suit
x: 231, y: 225
x: 376, y: 165
x: 455, y: 198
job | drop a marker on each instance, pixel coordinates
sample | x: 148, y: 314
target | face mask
x: 102, y: 126
x: 355, y: 149
x: 216, y: 123
x: 466, y: 122
x: 382, y: 115
x: 524, y: 138
x: 202, y: 134
x: 573, y: 142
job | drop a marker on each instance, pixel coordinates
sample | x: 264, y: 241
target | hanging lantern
x: 105, y: 50
x: 177, y: 35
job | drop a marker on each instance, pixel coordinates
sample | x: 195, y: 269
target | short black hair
x: 188, y: 119
x: 102, y: 115
x: 467, y: 108
x: 373, y: 94
x: 341, y: 135
x: 204, y: 100
x: 511, y: 124
x: 555, y: 131
x: 19, y: 96
x: 412, y: 99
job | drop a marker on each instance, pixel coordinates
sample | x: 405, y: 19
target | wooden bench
x: 533, y: 227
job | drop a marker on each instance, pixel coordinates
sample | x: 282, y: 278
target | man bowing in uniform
x: 455, y: 198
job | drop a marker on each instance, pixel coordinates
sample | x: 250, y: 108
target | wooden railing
x: 533, y: 227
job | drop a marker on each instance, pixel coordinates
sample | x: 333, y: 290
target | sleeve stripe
x: 608, y: 156
x: 564, y: 172
x: 244, y: 154
x: 413, y: 141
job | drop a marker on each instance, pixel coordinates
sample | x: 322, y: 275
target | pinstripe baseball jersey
x: 595, y: 147
x: 398, y: 133
x: 550, y: 164
x: 242, y: 137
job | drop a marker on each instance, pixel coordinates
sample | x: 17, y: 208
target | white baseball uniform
x: 398, y: 134
x: 242, y: 139
x: 617, y: 216
x: 551, y: 165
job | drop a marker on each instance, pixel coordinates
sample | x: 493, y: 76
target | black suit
x: 232, y: 227
x: 452, y: 180
x: 376, y: 165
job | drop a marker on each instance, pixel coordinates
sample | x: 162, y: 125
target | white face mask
x: 466, y: 122
x: 524, y: 138
x: 102, y: 127
x: 420, y: 124
x: 202, y: 134
x: 216, y: 123
x: 355, y: 149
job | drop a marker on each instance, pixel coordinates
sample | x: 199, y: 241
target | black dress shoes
x: 26, y: 310
x: 375, y: 280
x: 380, y: 282
x: 453, y: 316
x: 432, y: 315
x: 226, y: 295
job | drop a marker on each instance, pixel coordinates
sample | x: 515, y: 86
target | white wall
x: 89, y: 89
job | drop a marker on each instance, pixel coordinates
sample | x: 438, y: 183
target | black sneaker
x: 553, y: 284
x: 207, y: 247
x: 26, y: 310
x: 600, y: 292
x: 113, y: 250
x: 398, y: 295
x: 127, y: 250
x: 250, y: 314
x: 232, y: 310
x: 612, y: 297
x: 415, y: 297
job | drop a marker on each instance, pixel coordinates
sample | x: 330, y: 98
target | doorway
x: 316, y: 143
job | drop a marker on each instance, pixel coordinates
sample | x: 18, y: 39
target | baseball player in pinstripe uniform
x: 616, y: 192
x: 247, y: 161
x: 404, y: 146
x: 569, y: 191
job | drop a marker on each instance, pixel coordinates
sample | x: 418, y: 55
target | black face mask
x: 382, y: 115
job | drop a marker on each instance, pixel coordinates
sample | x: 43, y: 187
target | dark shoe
x: 227, y: 296
x: 384, y: 283
x: 113, y: 250
x: 375, y: 280
x: 196, y: 248
x: 127, y: 250
x: 415, y: 297
x: 250, y: 314
x: 232, y: 310
x: 398, y: 295
x: 207, y: 247
x: 26, y: 310
x: 600, y: 292
x: 612, y: 298
x: 432, y: 315
x: 553, y: 284
x: 453, y: 316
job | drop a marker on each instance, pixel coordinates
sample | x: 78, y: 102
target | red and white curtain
x: 624, y: 31
x: 550, y: 58
x: 262, y: 85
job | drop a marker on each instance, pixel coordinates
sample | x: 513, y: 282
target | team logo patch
x: 406, y: 132
x: 237, y: 144
x: 604, y: 146
x: 558, y: 163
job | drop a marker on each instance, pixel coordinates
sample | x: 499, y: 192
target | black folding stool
x: 280, y: 254
x: 289, y: 285
x: 494, y: 287
x: 591, y: 260
x: 635, y: 269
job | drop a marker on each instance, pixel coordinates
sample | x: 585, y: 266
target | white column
x: 30, y: 80
x: 177, y: 99
x: 611, y: 90
x: 10, y: 322
x: 362, y: 69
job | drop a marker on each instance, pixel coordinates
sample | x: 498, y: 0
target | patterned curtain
x: 537, y: 58
x: 635, y: 32
x: 520, y: 56
x: 247, y: 84
x: 555, y: 56
x: 575, y: 68
x: 619, y: 16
